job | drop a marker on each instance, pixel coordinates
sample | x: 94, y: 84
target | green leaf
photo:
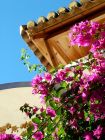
x: 50, y: 127
x: 78, y: 67
x: 60, y: 66
x: 61, y: 131
x: 43, y: 114
x: 30, y: 131
x: 31, y: 67
x: 90, y: 55
x: 91, y: 118
x: 36, y: 120
x: 86, y: 114
x: 53, y: 105
x: 53, y: 70
x: 58, y: 90
x: 22, y: 57
x: 64, y: 84
x: 58, y: 111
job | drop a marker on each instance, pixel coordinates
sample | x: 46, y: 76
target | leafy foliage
x: 31, y: 67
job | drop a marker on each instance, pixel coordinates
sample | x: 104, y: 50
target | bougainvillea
x: 77, y: 91
x: 73, y: 96
x: 9, y: 137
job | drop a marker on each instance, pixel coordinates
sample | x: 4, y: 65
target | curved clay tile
x: 74, y: 4
x: 52, y: 15
x: 41, y: 19
x: 62, y: 10
x: 31, y: 24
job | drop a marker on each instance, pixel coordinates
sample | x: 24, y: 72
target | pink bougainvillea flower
x: 73, y: 123
x: 50, y: 112
x: 36, y: 80
x: 97, y: 132
x: 72, y: 110
x: 88, y: 136
x: 35, y: 109
x: 97, y: 55
x: 80, y: 115
x: 16, y: 137
x: 42, y: 109
x: 42, y: 88
x: 35, y: 91
x: 42, y: 98
x: 35, y: 126
x: 87, y: 119
x: 27, y: 113
x: 57, y: 100
x: 48, y: 77
x: 84, y: 95
x: 60, y: 75
x: 38, y: 135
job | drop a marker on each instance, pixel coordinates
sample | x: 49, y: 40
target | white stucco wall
x: 10, y: 102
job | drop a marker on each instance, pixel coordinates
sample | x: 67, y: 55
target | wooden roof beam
x: 44, y: 48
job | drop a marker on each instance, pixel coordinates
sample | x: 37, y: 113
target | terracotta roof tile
x: 62, y: 10
x: 41, y: 19
x: 52, y: 15
x: 54, y: 18
x: 74, y: 4
x: 31, y: 24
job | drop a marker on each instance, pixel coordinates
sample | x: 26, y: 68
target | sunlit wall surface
x: 12, y: 97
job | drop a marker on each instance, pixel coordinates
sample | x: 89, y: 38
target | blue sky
x: 14, y: 13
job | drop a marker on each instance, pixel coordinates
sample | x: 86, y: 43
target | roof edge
x: 15, y: 85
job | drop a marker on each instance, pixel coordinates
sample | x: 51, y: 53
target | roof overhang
x: 43, y: 38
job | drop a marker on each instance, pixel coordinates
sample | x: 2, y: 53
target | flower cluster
x: 9, y: 137
x: 42, y: 84
x: 39, y: 86
x: 75, y: 94
x: 38, y: 135
x: 88, y: 33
